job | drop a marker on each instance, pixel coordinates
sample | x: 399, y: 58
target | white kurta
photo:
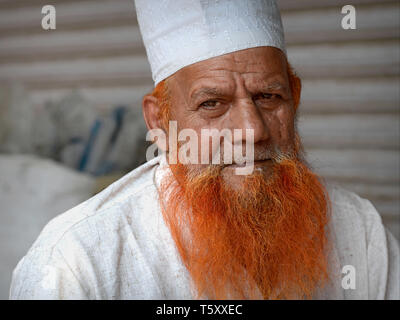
x: 117, y: 246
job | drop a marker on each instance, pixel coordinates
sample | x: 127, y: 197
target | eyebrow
x: 206, y: 92
x: 263, y: 86
x: 274, y: 85
x: 214, y: 91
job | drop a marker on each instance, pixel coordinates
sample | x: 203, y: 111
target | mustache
x: 261, y: 153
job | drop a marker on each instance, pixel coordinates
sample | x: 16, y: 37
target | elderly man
x: 173, y: 229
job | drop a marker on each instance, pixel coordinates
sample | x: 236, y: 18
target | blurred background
x: 70, y: 105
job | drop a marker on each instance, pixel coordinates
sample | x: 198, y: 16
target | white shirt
x: 117, y: 246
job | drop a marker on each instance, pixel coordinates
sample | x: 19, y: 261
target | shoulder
x: 348, y: 207
x: 121, y: 193
x: 362, y: 241
x: 79, y: 238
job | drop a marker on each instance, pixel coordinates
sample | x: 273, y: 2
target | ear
x: 295, y: 86
x: 296, y: 90
x: 151, y: 111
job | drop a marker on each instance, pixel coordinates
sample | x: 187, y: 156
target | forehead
x: 252, y: 66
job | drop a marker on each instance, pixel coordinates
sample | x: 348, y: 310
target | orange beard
x: 263, y: 240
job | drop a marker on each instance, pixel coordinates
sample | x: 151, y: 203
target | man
x: 178, y: 229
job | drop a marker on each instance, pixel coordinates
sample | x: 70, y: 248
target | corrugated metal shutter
x: 349, y: 116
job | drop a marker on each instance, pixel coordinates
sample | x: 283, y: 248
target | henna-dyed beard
x: 265, y: 239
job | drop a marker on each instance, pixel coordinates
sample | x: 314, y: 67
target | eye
x: 268, y: 100
x: 209, y: 104
x: 269, y: 96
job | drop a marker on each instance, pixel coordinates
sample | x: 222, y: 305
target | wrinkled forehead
x: 254, y: 67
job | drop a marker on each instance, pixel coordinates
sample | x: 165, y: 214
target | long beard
x: 265, y: 239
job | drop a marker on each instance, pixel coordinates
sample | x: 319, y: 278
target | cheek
x: 281, y: 127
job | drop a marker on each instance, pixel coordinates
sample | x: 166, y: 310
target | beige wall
x: 350, y: 104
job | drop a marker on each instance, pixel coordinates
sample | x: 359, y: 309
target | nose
x: 246, y: 115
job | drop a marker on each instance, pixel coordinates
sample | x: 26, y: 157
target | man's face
x: 247, y: 89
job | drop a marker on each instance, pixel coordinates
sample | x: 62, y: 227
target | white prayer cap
x: 177, y: 33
